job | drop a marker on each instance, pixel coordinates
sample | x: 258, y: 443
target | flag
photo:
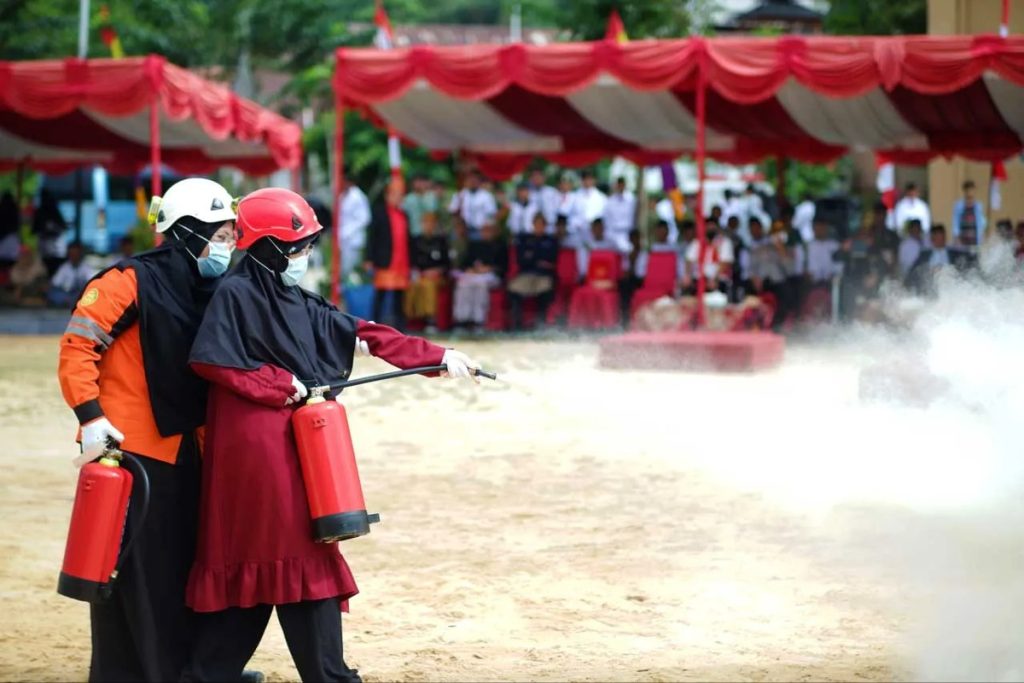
x: 672, y: 191
x: 385, y: 40
x: 886, y: 182
x: 616, y: 31
x: 109, y: 35
x: 995, y: 194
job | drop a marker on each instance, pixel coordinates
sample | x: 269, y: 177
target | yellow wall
x: 945, y: 177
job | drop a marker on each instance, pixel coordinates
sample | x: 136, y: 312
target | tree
x: 877, y: 17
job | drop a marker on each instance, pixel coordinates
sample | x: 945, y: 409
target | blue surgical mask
x: 295, y: 270
x: 216, y: 263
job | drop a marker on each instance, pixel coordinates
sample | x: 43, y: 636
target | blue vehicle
x: 108, y: 204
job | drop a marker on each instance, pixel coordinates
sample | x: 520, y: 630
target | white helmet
x: 200, y: 198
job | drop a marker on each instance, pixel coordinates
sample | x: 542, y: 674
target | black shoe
x: 250, y: 676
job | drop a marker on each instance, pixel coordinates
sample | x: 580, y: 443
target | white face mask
x: 216, y: 262
x: 295, y: 270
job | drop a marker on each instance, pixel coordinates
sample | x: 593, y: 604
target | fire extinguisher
x: 94, y: 555
x: 328, y: 461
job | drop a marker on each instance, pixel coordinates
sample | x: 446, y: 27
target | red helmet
x: 275, y: 212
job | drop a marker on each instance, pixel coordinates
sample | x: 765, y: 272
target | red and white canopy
x: 56, y: 115
x: 809, y: 98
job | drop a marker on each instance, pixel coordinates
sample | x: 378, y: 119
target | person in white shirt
x: 521, y: 212
x: 665, y: 211
x: 803, y: 218
x: 590, y: 200
x: 734, y: 206
x: 354, y: 217
x: 753, y: 207
x: 474, y: 204
x: 546, y: 198
x: 70, y: 279
x: 571, y: 208
x: 909, y: 208
x: 821, y: 264
x: 620, y: 214
x: 910, y: 247
x: 598, y: 241
x: 718, y: 261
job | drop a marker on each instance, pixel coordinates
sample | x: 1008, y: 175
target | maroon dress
x: 255, y: 541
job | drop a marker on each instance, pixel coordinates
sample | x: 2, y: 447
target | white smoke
x: 927, y: 475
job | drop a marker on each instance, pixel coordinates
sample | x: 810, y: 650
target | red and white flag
x: 385, y: 37
x: 886, y: 181
x: 995, y: 194
x: 385, y: 40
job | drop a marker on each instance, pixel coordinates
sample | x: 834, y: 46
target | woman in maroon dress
x: 262, y: 341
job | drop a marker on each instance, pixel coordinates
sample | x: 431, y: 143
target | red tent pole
x: 780, y: 181
x: 156, y: 182
x: 702, y: 228
x: 339, y: 165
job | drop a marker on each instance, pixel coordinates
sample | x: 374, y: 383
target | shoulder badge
x: 90, y: 297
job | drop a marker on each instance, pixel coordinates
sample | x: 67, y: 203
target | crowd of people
x: 45, y: 270
x: 437, y: 260
x: 484, y: 256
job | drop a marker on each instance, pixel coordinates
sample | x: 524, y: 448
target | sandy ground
x: 567, y: 523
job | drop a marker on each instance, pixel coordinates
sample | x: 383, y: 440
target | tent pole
x: 702, y: 228
x: 155, y: 179
x: 780, y: 179
x: 339, y: 174
x: 78, y: 204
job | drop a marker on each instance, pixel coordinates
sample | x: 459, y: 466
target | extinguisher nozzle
x: 489, y: 375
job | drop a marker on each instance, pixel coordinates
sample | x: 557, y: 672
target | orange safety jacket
x: 101, y: 370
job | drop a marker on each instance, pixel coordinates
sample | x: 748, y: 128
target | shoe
x: 250, y: 676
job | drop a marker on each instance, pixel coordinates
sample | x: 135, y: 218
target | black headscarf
x: 172, y: 298
x: 255, y: 320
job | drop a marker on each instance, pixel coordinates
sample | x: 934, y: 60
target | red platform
x: 686, y: 350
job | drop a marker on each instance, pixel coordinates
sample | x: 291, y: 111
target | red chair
x: 497, y: 319
x: 566, y: 274
x: 595, y: 305
x: 662, y: 268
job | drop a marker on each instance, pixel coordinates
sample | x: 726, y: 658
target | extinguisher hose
x: 403, y: 373
x: 139, y: 472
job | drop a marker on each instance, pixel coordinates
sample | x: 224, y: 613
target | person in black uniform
x: 430, y: 260
x: 536, y: 254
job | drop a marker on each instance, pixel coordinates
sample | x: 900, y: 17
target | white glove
x: 460, y: 366
x: 362, y: 348
x: 301, y: 392
x: 94, y: 439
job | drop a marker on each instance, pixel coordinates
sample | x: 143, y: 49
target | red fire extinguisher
x: 93, y: 555
x: 333, y: 489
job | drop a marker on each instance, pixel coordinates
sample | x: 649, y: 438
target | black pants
x: 143, y: 632
x: 543, y: 304
x: 627, y: 288
x: 227, y: 639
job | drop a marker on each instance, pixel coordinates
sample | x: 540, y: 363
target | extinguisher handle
x: 139, y: 472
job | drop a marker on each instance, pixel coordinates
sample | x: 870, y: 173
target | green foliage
x: 877, y: 17
x: 588, y: 19
x: 813, y: 179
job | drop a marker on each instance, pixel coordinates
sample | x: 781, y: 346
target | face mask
x: 295, y: 270
x: 216, y: 262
